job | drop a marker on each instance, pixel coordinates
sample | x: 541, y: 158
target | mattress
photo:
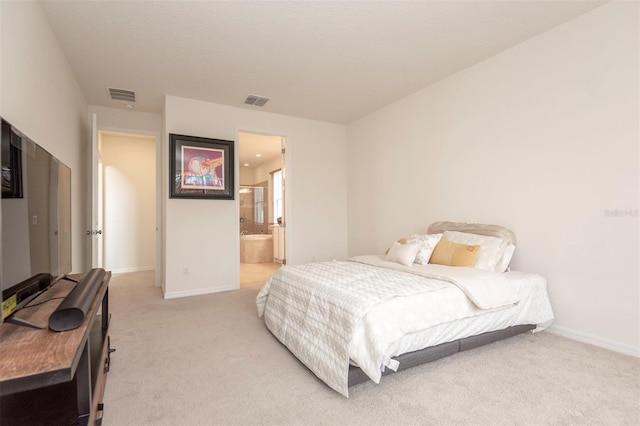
x: 533, y: 308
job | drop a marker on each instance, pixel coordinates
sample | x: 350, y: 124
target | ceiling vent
x: 256, y: 100
x: 122, y: 95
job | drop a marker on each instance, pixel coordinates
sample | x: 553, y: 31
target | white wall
x: 203, y: 235
x: 542, y: 138
x: 40, y: 96
x: 263, y: 171
x: 129, y: 221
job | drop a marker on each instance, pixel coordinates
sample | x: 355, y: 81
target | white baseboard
x: 198, y: 292
x: 595, y: 340
x: 128, y: 270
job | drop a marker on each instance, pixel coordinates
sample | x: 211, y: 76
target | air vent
x: 256, y: 100
x: 122, y: 95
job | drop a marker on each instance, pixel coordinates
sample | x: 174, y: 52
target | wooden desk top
x: 29, y: 356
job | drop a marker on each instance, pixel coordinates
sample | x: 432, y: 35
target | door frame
x: 94, y: 221
x: 286, y: 166
x: 159, y: 268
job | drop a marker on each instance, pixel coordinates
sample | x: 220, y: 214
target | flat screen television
x: 35, y: 217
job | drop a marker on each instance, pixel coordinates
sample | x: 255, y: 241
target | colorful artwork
x: 202, y: 168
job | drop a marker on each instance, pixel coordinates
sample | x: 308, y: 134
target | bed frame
x: 474, y: 228
x: 433, y: 353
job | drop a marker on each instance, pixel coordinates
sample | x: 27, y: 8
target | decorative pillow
x: 426, y: 243
x: 491, y: 248
x: 402, y: 253
x: 400, y: 241
x: 450, y: 253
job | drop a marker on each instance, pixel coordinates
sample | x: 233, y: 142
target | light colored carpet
x: 209, y: 360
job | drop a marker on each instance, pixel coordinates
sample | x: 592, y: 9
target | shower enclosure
x: 254, y: 209
x: 256, y: 241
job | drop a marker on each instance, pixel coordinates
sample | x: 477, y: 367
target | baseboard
x: 197, y: 292
x: 594, y: 340
x: 128, y: 270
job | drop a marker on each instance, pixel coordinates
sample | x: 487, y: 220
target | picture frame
x: 201, y: 168
x: 11, y: 155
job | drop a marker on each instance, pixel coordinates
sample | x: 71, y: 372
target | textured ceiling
x: 326, y: 60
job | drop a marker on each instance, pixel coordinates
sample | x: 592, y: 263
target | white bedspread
x: 487, y: 290
x: 317, y: 310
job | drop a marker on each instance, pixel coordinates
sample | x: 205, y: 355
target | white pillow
x: 491, y: 248
x: 426, y: 244
x: 402, y: 253
x: 503, y: 265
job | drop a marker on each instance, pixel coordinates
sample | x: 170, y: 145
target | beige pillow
x: 454, y: 254
x: 491, y: 248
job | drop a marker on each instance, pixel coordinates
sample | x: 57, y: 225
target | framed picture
x: 11, y: 162
x: 200, y: 168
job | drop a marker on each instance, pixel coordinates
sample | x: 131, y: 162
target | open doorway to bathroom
x: 262, y: 200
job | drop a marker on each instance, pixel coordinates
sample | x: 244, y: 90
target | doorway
x: 129, y: 207
x: 261, y: 206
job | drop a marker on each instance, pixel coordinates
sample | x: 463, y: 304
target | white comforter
x: 324, y: 312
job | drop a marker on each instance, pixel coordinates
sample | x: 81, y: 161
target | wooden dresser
x: 55, y: 378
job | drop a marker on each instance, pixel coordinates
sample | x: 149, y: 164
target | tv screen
x: 35, y: 212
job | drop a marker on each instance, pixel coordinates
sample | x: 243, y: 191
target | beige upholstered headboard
x: 474, y: 228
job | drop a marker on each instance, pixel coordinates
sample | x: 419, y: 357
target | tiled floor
x: 254, y: 275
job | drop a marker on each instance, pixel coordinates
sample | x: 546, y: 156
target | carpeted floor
x: 209, y: 360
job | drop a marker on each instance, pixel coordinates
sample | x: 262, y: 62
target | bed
x: 429, y: 296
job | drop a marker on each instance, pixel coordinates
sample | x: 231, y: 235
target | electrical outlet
x: 185, y: 271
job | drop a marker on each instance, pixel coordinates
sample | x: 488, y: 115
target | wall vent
x: 256, y: 100
x: 122, y: 95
